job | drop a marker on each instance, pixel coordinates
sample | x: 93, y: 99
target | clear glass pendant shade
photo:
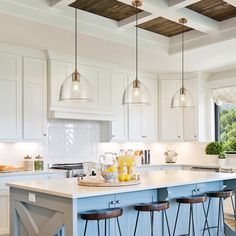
x: 136, y: 94
x: 78, y: 89
x: 182, y: 98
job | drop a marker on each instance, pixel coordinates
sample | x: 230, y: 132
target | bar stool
x: 151, y: 208
x: 191, y: 200
x: 221, y: 195
x: 103, y: 214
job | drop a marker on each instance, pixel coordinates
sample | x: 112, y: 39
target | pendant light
x: 182, y: 97
x: 76, y: 87
x: 136, y: 93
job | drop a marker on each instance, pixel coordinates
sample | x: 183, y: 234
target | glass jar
x: 38, y: 163
x: 108, y: 164
x: 28, y: 163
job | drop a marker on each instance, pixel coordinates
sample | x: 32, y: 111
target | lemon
x: 127, y: 177
x: 121, y: 178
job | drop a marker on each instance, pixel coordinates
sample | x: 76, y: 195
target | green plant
x: 222, y: 155
x: 214, y: 148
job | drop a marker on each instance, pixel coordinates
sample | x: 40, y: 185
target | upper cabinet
x: 182, y: 124
x: 143, y: 119
x: 10, y: 96
x: 100, y: 80
x: 23, y: 99
x: 35, y: 98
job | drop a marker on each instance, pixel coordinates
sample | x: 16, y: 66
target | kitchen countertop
x: 36, y: 172
x: 203, y: 165
x: 149, y: 180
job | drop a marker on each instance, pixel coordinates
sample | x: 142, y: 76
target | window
x: 225, y: 125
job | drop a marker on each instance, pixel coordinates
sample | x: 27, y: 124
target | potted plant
x: 222, y: 158
x: 214, y: 150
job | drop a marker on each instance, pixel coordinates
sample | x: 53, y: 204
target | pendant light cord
x: 136, y: 43
x: 76, y: 38
x: 182, y: 55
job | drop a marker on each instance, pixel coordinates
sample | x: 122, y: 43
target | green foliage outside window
x: 228, y: 127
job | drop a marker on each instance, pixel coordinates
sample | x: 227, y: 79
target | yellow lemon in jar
x: 127, y: 177
x: 121, y: 178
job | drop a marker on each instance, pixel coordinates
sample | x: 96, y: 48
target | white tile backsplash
x: 72, y: 141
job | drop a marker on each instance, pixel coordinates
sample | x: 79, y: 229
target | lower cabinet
x: 4, y: 195
x: 4, y: 215
x: 127, y: 220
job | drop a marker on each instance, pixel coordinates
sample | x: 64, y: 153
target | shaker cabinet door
x: 10, y: 96
x: 35, y: 99
x: 171, y: 119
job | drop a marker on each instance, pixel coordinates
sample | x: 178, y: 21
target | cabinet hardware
x: 195, y: 136
x: 113, y: 136
x: 178, y: 136
x: 118, y: 202
x: 44, y: 135
x: 113, y: 202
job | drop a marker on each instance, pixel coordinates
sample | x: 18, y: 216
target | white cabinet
x: 10, y: 96
x: 171, y: 120
x: 100, y: 80
x: 119, y: 126
x: 182, y: 124
x: 35, y: 99
x: 4, y: 206
x: 143, y: 119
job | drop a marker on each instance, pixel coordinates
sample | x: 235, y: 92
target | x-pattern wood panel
x: 164, y: 27
x: 215, y: 9
x: 111, y: 9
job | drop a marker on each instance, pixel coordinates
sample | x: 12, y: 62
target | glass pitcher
x: 108, y: 164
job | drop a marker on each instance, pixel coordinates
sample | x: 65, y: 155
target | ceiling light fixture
x: 136, y: 93
x: 182, y: 97
x: 76, y: 87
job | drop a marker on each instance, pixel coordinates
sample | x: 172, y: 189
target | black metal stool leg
x: 151, y: 221
x: 98, y: 227
x: 118, y: 223
x: 136, y: 224
x: 105, y: 227
x: 85, y: 228
x: 177, y: 216
x: 190, y: 219
x: 223, y: 215
x: 167, y: 223
x: 219, y: 215
x: 205, y: 224
x: 233, y: 206
x: 206, y: 221
x: 193, y: 221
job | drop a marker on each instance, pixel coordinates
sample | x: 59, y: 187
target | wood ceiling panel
x: 215, y: 9
x: 163, y: 26
x: 111, y: 9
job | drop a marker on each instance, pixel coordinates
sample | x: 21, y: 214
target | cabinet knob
x: 118, y: 202
x: 113, y: 136
x: 195, y: 136
x: 113, y: 202
x: 44, y: 135
x: 143, y: 136
x: 178, y: 136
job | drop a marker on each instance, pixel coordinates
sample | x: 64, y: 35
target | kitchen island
x: 51, y: 207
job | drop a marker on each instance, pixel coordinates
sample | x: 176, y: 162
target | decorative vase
x: 212, y: 158
x: 221, y: 162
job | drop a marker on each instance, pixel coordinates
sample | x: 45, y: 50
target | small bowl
x: 109, y: 176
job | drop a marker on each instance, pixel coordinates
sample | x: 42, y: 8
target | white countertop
x: 149, y: 180
x: 36, y: 172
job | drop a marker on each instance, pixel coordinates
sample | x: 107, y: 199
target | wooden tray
x: 103, y: 183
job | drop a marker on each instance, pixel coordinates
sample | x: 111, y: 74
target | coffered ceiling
x: 210, y: 22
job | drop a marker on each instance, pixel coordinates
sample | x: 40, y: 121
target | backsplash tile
x: 72, y: 141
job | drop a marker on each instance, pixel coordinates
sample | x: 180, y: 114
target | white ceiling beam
x: 231, y: 2
x: 60, y: 3
x: 195, y: 20
x: 131, y: 21
x: 177, y: 4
